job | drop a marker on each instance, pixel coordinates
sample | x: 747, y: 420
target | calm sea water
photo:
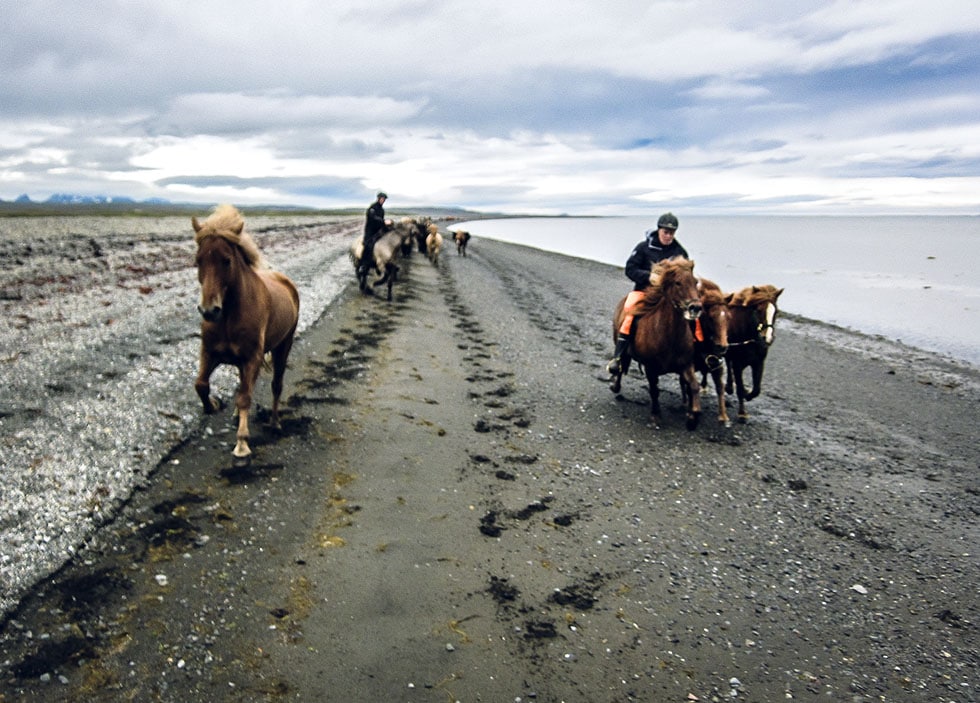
x: 911, y: 279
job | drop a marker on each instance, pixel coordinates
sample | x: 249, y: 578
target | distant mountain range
x: 69, y: 203
x: 72, y: 199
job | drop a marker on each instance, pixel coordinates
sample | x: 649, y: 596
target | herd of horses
x: 400, y: 240
x: 683, y: 325
x: 686, y: 325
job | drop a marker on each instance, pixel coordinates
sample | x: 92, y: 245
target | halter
x: 760, y: 332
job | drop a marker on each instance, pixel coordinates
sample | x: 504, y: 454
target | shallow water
x: 909, y: 279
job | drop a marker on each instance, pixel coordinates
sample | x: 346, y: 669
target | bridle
x: 761, y: 327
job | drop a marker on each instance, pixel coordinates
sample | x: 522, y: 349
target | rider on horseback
x: 375, y: 225
x: 658, y: 245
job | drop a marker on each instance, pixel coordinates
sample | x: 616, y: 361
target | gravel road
x: 458, y: 508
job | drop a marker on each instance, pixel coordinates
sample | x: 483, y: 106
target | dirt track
x: 460, y: 510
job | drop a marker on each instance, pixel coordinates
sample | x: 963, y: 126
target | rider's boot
x: 615, y: 366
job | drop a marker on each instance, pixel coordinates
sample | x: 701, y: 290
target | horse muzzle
x: 211, y: 314
x: 691, y: 311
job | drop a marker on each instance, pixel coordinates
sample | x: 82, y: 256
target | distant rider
x: 375, y: 225
x: 658, y: 245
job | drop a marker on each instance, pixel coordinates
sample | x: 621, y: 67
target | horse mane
x: 226, y: 222
x: 663, y: 273
x: 750, y: 296
x: 710, y: 292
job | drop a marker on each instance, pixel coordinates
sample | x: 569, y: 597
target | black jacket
x: 646, y: 254
x: 374, y: 221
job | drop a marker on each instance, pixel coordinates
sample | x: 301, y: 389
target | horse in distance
x: 247, y: 310
x: 462, y: 238
x: 433, y: 243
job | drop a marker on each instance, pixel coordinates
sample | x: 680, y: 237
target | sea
x: 911, y: 279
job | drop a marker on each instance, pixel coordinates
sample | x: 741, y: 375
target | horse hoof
x: 241, y: 462
x: 616, y: 383
x: 693, y: 421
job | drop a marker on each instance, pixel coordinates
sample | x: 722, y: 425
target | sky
x: 579, y: 107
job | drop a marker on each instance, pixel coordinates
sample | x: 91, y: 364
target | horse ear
x: 778, y: 293
x: 729, y: 298
x: 195, y: 224
x: 239, y: 228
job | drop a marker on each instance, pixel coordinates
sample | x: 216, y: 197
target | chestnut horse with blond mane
x: 247, y: 310
x: 662, y: 335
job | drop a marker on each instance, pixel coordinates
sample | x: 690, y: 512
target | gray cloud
x: 503, y: 106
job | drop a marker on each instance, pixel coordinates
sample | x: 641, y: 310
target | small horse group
x: 686, y: 325
x: 399, y: 239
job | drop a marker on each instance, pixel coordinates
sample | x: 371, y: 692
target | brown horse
x: 710, y: 350
x: 750, y: 333
x: 662, y: 338
x: 462, y: 238
x: 246, y: 310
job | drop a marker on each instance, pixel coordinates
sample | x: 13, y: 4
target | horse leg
x: 247, y: 375
x: 756, y: 379
x: 654, y: 383
x: 203, y: 384
x: 693, y: 398
x: 362, y: 281
x: 279, y: 356
x: 720, y: 392
x: 392, y: 275
x: 740, y: 393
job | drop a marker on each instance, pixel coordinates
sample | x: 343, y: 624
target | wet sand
x: 459, y: 509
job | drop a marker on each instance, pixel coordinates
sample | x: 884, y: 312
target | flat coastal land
x: 457, y: 507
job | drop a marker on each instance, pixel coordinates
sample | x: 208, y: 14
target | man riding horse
x: 375, y: 225
x: 659, y: 244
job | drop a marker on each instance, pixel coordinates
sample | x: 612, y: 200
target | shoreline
x: 927, y: 300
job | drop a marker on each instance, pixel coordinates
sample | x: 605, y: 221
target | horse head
x: 224, y: 250
x: 675, y: 280
x: 761, y: 301
x: 714, y: 316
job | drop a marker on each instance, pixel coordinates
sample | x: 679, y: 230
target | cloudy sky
x: 579, y: 106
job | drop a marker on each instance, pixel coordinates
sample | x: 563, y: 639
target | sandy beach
x: 458, y: 509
